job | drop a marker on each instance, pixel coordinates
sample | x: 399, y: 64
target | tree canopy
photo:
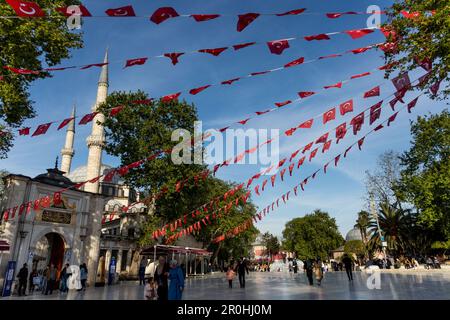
x: 312, y: 236
x: 421, y: 33
x: 28, y: 44
x: 271, y: 243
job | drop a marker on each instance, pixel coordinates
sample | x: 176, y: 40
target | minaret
x: 96, y: 140
x: 67, y: 152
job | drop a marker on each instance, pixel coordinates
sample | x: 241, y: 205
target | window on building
x: 123, y: 263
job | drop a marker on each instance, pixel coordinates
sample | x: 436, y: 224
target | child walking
x: 150, y: 290
x: 230, y: 276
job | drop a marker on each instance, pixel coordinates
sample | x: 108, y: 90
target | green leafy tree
x: 28, y: 43
x: 311, y: 236
x: 362, y: 223
x: 356, y: 247
x: 425, y: 177
x: 271, y: 243
x: 424, y: 35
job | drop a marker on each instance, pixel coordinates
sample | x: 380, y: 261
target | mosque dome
x: 80, y: 174
x: 353, y: 234
x: 54, y: 177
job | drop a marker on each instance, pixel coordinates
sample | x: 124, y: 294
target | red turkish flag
x: 294, y: 154
x: 83, y: 10
x: 305, y: 94
x: 356, y: 34
x: 215, y: 52
x: 336, y: 160
x: 262, y: 112
x: 245, y: 19
x: 323, y: 138
x: 339, y: 14
x: 346, y: 151
x: 278, y: 46
x: 379, y: 127
x: 375, y: 112
x: 264, y: 184
x: 410, y: 15
x: 204, y: 17
x: 272, y: 179
x: 57, y: 198
x: 325, y: 167
x: 282, y: 172
x: 306, y: 125
x: 199, y: 89
x: 341, y: 131
x: 435, y: 88
x: 330, y: 56
x: 222, y: 130
x: 387, y: 66
x: 282, y: 104
x: 375, y: 92
x: 412, y: 104
x: 307, y: 147
x: 87, y: 118
x: 114, y: 111
x: 162, y: 14
x: 360, y: 142
x: 357, y: 122
x: 21, y: 71
x: 65, y: 122
x: 321, y: 36
x: 300, y: 161
x: 389, y: 47
x: 257, y: 189
x: 243, y: 122
x: 360, y: 75
x: 42, y: 129
x: 402, y: 82
x: 329, y: 115
x: 314, y: 174
x: 259, y: 73
x: 126, y: 11
x: 171, y: 97
x: 281, y: 163
x: 360, y: 50
x: 346, y: 107
x: 337, y: 85
x: 26, y: 9
x: 390, y: 34
x: 230, y: 81
x: 135, y: 62
x: 393, y: 102
x: 290, y: 131
x: 173, y: 56
x: 426, y: 64
x: 243, y: 45
x: 295, y: 62
x: 94, y: 65
x: 24, y: 131
x: 392, y: 118
x: 326, y: 146
x: 313, y: 154
x: 291, y: 167
x: 291, y: 12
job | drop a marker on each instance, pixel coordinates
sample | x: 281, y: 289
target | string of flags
x: 286, y: 196
x: 87, y: 118
x: 402, y: 84
x: 276, y: 47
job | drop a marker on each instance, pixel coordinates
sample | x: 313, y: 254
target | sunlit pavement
x: 414, y: 284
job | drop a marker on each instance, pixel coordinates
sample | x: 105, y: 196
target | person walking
x: 318, y: 271
x: 348, y: 264
x: 150, y: 291
x: 51, y: 279
x: 63, y: 278
x: 142, y: 272
x: 23, y: 277
x: 31, y: 281
x: 308, y: 268
x: 295, y: 265
x: 161, y: 278
x: 241, y: 270
x: 176, y: 278
x: 83, y: 276
x: 230, y: 276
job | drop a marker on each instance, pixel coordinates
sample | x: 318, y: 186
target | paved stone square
x: 402, y: 284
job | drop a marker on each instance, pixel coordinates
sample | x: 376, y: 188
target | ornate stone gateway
x: 56, y: 217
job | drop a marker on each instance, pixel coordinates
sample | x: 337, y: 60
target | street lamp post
x: 383, y: 242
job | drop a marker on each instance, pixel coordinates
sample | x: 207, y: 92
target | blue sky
x: 340, y: 192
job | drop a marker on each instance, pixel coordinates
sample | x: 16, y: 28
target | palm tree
x: 393, y: 223
x: 362, y: 223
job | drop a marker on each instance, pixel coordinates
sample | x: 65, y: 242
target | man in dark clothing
x: 308, y: 267
x: 347, y: 261
x: 295, y: 266
x: 241, y: 269
x: 23, y: 277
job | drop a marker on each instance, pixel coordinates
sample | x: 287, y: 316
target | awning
x: 164, y: 250
x: 4, y: 246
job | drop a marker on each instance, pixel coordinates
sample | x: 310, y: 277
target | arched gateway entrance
x: 49, y: 249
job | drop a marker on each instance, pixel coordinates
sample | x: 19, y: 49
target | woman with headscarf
x: 318, y: 271
x: 176, y: 278
x: 160, y: 277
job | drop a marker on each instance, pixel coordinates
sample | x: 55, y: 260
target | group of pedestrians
x: 167, y: 282
x: 46, y: 280
x: 241, y: 268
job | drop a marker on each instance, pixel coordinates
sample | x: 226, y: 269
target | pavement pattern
x: 397, y: 285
